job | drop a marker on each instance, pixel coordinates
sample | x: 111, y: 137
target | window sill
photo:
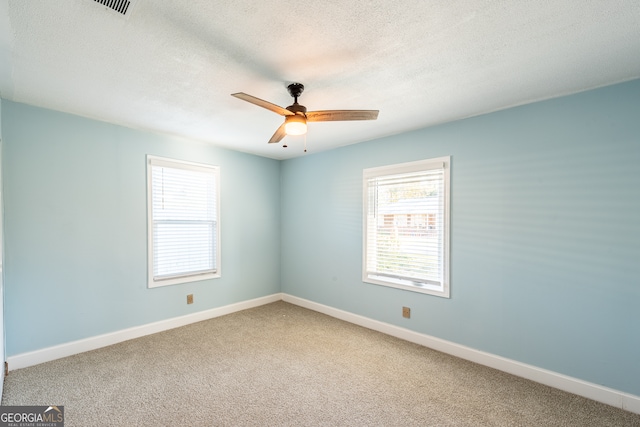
x: 185, y: 279
x: 439, y: 291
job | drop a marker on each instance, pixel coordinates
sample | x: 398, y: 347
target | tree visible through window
x: 406, y: 226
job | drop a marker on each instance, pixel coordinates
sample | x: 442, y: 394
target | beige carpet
x: 282, y: 365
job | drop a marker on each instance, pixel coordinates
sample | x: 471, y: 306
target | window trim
x: 179, y: 164
x: 408, y: 167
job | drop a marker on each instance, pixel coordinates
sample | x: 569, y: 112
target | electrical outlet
x: 190, y: 299
x: 406, y: 312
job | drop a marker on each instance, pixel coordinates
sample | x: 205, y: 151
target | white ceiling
x: 170, y: 66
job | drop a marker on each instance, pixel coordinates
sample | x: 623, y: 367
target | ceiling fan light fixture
x: 295, y: 125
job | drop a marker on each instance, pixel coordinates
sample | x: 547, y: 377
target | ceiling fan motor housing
x: 297, y: 108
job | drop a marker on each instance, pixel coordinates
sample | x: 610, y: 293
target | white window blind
x: 183, y: 221
x: 407, y: 226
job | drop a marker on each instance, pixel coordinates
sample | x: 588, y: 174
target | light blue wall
x: 545, y: 231
x: 76, y: 236
x: 545, y: 234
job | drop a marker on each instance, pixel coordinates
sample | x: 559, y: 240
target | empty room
x: 365, y: 213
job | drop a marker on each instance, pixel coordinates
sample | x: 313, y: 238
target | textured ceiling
x: 170, y: 66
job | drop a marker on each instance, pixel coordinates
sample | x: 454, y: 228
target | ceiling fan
x: 296, y: 115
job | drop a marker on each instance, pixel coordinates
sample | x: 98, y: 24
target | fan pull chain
x: 305, y: 142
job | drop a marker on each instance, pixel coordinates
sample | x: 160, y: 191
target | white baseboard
x: 586, y: 389
x: 36, y: 357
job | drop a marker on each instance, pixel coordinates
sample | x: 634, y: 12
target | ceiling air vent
x: 120, y: 6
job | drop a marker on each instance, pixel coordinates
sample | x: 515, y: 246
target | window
x: 406, y: 226
x: 183, y: 204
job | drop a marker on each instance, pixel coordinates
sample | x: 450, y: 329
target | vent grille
x: 120, y: 6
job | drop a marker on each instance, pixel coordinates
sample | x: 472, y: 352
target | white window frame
x: 188, y: 277
x: 441, y: 290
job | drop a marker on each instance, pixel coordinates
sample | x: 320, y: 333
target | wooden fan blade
x: 280, y: 133
x: 262, y: 103
x: 338, y: 115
